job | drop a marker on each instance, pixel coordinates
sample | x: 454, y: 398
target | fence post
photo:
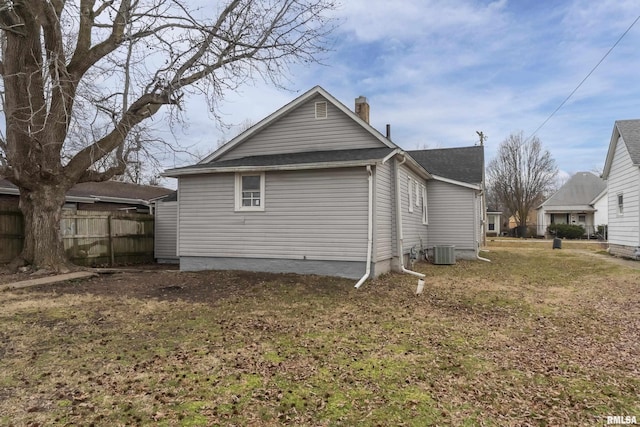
x: 109, y: 231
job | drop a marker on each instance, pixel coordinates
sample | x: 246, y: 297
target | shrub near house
x: 566, y: 231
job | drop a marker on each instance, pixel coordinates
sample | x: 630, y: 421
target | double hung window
x: 250, y: 191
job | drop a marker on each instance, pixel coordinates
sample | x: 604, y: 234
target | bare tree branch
x: 10, y: 21
x: 86, y: 56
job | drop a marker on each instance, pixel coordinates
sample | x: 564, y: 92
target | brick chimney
x: 362, y: 108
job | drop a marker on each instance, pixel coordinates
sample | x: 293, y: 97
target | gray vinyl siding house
x: 413, y: 229
x: 302, y: 130
x: 622, y: 172
x: 455, y: 203
x: 452, y: 213
x: 311, y: 189
x: 302, y: 233
x: 384, y: 228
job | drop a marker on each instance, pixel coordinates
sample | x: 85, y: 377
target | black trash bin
x: 557, y: 243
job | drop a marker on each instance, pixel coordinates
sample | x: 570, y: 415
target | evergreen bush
x: 566, y: 231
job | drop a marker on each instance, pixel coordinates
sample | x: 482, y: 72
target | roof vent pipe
x: 388, y: 131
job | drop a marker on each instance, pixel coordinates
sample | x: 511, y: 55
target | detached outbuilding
x: 314, y: 188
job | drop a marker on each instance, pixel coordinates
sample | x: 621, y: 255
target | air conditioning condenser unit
x: 444, y: 254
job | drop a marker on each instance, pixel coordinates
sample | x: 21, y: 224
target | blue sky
x: 440, y: 70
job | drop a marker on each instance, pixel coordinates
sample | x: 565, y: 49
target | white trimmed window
x: 250, y: 191
x: 410, y: 193
x: 425, y: 214
x: 620, y: 204
x: 417, y: 194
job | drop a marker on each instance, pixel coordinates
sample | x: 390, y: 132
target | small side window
x: 249, y: 192
x: 620, y: 204
x: 425, y: 214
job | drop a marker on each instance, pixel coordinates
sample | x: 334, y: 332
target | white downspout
x: 399, y: 226
x: 481, y: 258
x: 369, y: 230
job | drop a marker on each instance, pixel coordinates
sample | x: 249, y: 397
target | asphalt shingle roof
x: 117, y: 189
x: 579, y: 190
x: 630, y: 132
x: 289, y: 159
x: 462, y: 164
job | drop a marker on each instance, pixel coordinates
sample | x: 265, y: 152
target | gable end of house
x: 315, y: 121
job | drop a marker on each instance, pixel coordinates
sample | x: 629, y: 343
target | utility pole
x: 483, y: 196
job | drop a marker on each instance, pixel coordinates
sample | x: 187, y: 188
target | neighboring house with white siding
x: 494, y: 222
x: 622, y: 172
x: 313, y: 188
x: 582, y: 200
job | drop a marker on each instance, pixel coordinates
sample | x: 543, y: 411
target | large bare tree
x: 520, y: 175
x: 77, y: 77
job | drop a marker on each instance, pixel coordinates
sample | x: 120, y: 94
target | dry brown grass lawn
x: 537, y: 337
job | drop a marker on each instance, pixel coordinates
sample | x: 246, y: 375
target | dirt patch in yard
x: 195, y: 287
x: 27, y: 273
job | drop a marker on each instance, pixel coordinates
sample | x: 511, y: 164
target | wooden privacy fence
x: 90, y: 237
x: 11, y: 234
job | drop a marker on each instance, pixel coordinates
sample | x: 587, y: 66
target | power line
x: 585, y: 79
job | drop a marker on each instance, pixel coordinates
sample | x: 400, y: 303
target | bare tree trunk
x: 50, y: 50
x: 42, y: 210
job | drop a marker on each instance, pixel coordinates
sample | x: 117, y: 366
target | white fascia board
x: 259, y: 126
x: 615, y: 135
x: 599, y: 196
x: 124, y: 200
x: 302, y: 166
x: 285, y: 110
x: 569, y: 209
x: 155, y: 199
x: 390, y: 155
x: 81, y: 199
x: 459, y: 183
x: 71, y: 199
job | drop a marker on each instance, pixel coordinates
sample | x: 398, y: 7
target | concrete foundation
x: 347, y: 269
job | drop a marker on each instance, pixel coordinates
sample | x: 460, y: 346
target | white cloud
x: 439, y: 70
x: 372, y: 20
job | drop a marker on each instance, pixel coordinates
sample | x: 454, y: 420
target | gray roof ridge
x: 580, y: 189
